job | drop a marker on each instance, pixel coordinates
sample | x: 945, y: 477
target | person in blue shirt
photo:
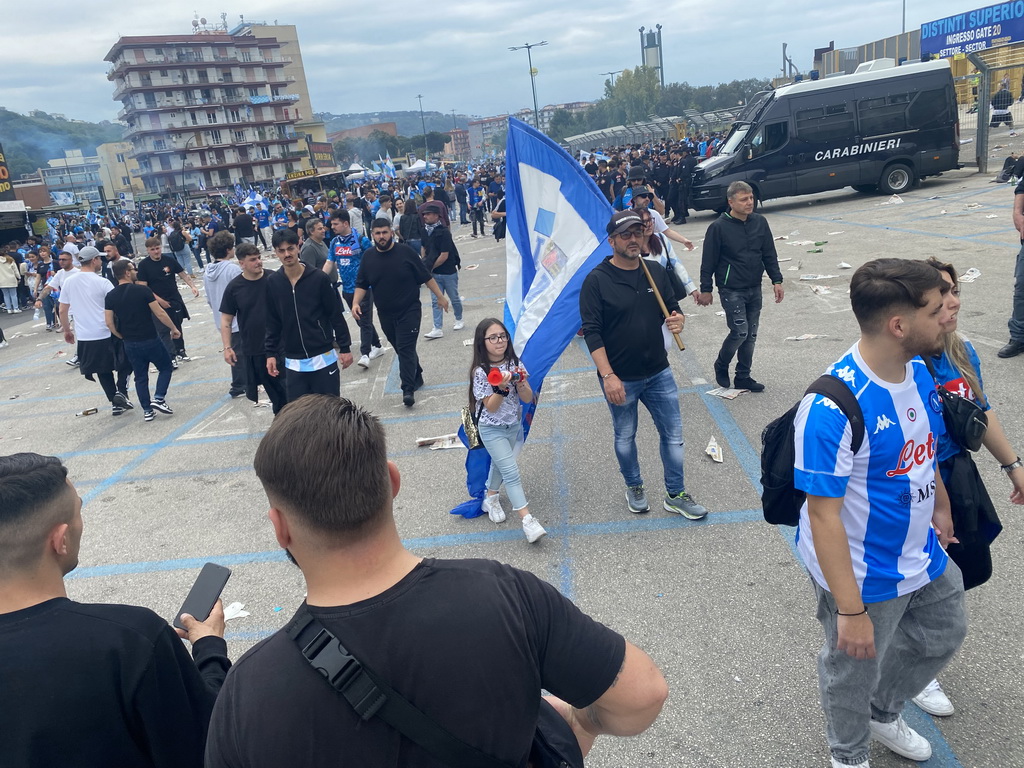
x: 477, y: 201
x: 875, y: 523
x: 262, y: 217
x: 280, y: 217
x: 344, y: 255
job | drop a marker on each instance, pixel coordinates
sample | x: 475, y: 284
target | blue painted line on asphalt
x: 635, y: 524
x: 943, y: 755
x: 152, y: 451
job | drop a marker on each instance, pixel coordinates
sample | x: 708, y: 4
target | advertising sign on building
x: 6, y: 189
x: 300, y: 174
x: 321, y: 154
x: 974, y: 30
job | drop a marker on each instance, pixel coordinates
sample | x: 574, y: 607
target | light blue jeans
x: 660, y: 396
x: 11, y: 299
x: 449, y: 285
x: 503, y: 444
x: 184, y: 257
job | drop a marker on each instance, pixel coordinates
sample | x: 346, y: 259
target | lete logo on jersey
x: 914, y: 455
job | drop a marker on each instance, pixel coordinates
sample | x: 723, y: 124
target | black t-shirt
x: 395, y: 276
x: 161, y: 277
x: 438, y: 242
x: 130, y: 305
x: 247, y: 301
x: 244, y: 226
x: 96, y: 686
x: 468, y: 642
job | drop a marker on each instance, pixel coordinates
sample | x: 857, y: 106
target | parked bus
x: 883, y: 129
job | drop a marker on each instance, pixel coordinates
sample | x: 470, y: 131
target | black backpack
x: 176, y: 240
x: 781, y: 500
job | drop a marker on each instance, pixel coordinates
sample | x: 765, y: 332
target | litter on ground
x: 970, y: 275
x: 807, y: 336
x: 714, y: 451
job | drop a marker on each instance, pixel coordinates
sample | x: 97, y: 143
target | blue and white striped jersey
x: 888, y: 488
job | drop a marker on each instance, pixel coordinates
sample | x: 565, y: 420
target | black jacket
x: 437, y: 242
x: 621, y: 314
x: 306, y: 321
x: 737, y: 253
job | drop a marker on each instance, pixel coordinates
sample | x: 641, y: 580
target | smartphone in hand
x: 204, y: 593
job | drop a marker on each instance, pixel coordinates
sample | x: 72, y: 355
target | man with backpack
x: 876, y: 519
x: 460, y: 648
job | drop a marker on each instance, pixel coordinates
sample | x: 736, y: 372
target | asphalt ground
x: 722, y: 605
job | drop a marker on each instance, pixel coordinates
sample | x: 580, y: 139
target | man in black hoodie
x: 305, y: 324
x: 738, y: 250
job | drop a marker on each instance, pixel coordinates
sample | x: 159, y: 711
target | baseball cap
x: 622, y: 221
x: 88, y: 253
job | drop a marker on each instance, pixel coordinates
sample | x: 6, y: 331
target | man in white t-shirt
x: 83, y: 297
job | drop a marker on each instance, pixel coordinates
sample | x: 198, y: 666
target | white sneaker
x: 435, y: 333
x: 837, y: 764
x: 375, y: 352
x: 364, y: 361
x: 459, y: 325
x: 934, y: 701
x: 492, y: 506
x: 533, y: 529
x: 4, y: 343
x: 901, y: 739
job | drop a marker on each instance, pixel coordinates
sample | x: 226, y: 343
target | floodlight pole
x: 423, y: 124
x: 533, y: 77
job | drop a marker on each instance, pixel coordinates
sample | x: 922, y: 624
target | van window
x: 930, y: 108
x: 824, y: 124
x: 769, y: 138
x: 885, y: 114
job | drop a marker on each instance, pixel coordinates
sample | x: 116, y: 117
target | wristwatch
x: 1012, y: 466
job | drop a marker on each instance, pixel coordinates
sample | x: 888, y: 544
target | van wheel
x: 866, y: 189
x: 896, y: 178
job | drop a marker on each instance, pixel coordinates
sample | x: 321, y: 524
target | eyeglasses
x: 633, y: 234
x: 496, y: 338
x: 647, y: 220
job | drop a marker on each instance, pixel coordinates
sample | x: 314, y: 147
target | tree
x: 498, y: 140
x: 564, y: 123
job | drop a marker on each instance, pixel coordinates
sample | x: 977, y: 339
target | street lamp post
x: 71, y: 179
x: 612, y: 75
x: 184, y: 157
x: 423, y: 124
x: 533, y: 76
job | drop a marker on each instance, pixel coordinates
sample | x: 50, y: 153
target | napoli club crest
x: 935, y: 402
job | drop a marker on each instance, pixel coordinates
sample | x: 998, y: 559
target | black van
x: 883, y: 129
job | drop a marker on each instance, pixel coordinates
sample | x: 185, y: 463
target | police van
x: 883, y: 129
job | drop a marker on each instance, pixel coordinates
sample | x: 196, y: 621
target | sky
x: 367, y: 57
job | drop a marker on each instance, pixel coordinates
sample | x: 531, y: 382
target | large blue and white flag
x: 556, y: 218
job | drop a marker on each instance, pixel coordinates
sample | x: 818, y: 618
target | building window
x: 265, y: 152
x: 211, y: 117
x: 234, y: 116
x: 163, y: 73
x: 246, y: 56
x: 215, y: 137
x: 254, y: 92
x: 238, y: 136
x: 125, y: 181
x: 195, y: 118
x: 159, y: 144
x: 120, y: 157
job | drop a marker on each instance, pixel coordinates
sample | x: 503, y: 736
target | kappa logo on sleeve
x: 884, y: 422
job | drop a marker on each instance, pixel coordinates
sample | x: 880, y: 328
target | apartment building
x: 206, y: 111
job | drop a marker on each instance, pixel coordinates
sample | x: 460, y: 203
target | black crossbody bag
x: 554, y: 743
x: 965, y: 421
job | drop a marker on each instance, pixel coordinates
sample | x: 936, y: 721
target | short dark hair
x: 882, y: 288
x: 245, y: 249
x: 101, y: 244
x: 284, y: 236
x: 220, y: 244
x: 154, y: 242
x: 325, y: 461
x: 120, y: 268
x: 380, y: 223
x: 341, y: 215
x: 29, y: 486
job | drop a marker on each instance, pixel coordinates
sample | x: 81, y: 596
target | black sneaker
x: 236, y: 392
x: 1011, y: 349
x: 116, y: 410
x: 148, y: 415
x: 73, y: 362
x: 120, y: 401
x: 163, y: 407
x: 408, y: 399
x: 722, y: 375
x: 749, y: 383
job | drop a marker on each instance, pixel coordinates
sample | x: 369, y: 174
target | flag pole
x: 661, y: 302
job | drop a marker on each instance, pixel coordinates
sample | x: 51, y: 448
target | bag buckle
x: 327, y: 656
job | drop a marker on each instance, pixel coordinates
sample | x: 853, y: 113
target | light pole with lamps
x: 423, y: 124
x: 184, y: 157
x: 612, y: 75
x: 533, y: 76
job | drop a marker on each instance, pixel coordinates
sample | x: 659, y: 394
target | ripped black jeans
x: 742, y: 313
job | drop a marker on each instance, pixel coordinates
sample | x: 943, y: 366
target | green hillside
x: 30, y: 140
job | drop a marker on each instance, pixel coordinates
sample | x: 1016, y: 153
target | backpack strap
x: 371, y: 696
x: 840, y: 394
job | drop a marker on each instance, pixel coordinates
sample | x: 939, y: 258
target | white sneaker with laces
x: 364, y: 361
x: 375, y: 352
x: 837, y: 764
x: 901, y: 739
x: 934, y: 700
x: 533, y: 529
x: 459, y: 325
x: 434, y: 333
x: 492, y: 506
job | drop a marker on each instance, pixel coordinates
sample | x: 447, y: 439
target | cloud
x: 377, y: 57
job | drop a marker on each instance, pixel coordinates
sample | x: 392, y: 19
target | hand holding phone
x: 204, y: 594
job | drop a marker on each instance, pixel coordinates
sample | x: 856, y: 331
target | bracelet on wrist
x: 1012, y: 465
x: 610, y: 373
x: 502, y: 392
x: 860, y: 613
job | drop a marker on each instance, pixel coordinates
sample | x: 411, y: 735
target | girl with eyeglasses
x: 499, y: 411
